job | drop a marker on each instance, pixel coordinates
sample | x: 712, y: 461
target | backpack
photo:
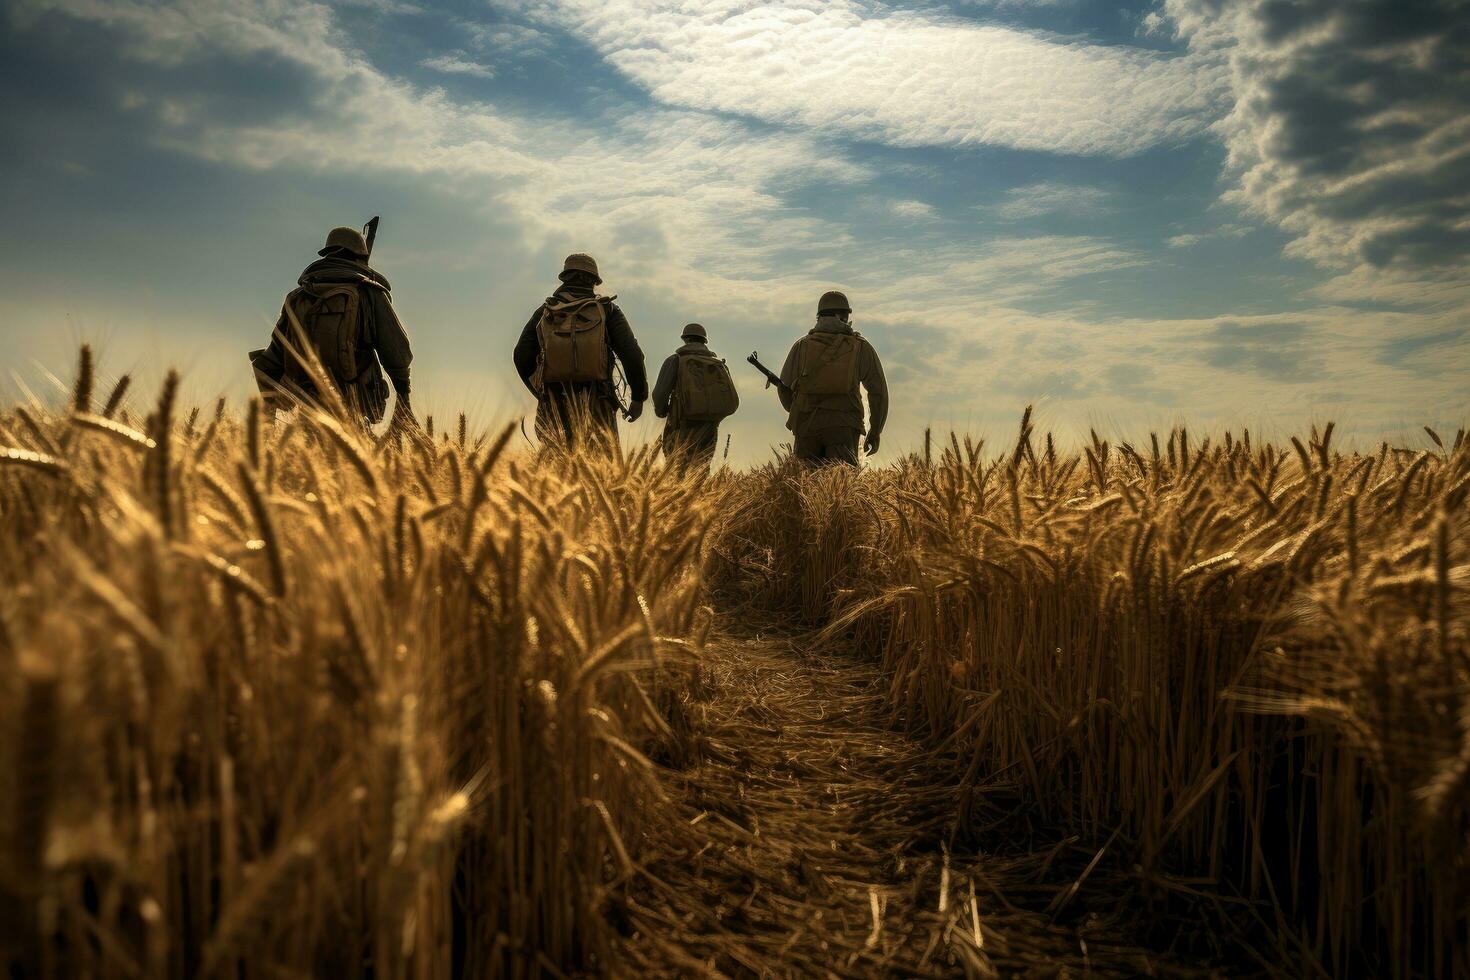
x: 827, y: 364
x: 705, y: 392
x: 574, y: 344
x: 329, y: 315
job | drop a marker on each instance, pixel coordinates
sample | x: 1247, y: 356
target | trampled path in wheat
x: 824, y: 847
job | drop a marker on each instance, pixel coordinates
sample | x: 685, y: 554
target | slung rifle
x: 370, y: 233
x: 771, y: 377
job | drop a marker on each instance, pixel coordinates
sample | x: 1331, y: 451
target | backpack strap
x: 356, y: 279
x: 574, y: 304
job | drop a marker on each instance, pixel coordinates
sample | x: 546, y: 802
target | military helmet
x: 346, y: 239
x: 580, y: 262
x: 833, y: 300
x: 694, y: 331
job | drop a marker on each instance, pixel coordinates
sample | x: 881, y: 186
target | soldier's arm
x: 269, y: 365
x: 395, y: 352
x: 663, y: 389
x: 876, y: 385
x: 272, y: 361
x: 788, y: 376
x: 528, y: 349
x: 625, y: 346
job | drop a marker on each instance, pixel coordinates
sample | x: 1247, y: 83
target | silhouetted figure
x: 821, y: 378
x: 345, y: 311
x: 565, y: 356
x: 694, y: 393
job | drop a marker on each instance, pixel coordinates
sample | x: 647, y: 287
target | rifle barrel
x: 771, y: 377
x: 370, y: 233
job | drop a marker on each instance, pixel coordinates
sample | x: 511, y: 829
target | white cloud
x: 458, y: 64
x: 506, y: 39
x: 1193, y: 238
x: 901, y: 77
x: 912, y: 209
x: 688, y: 200
x: 696, y: 208
x: 1046, y: 197
x: 1154, y: 24
x: 1349, y: 130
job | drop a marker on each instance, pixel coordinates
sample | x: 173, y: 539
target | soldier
x: 345, y: 310
x: 694, y: 393
x: 819, y: 388
x: 565, y: 357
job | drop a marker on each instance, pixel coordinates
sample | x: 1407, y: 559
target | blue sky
x: 1220, y: 211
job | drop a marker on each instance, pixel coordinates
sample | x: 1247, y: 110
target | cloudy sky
x: 1230, y: 212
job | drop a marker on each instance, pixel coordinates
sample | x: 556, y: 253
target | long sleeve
x: 528, y: 349
x: 663, y: 389
x: 876, y: 385
x: 395, y: 352
x: 269, y: 364
x: 788, y: 375
x: 620, y: 338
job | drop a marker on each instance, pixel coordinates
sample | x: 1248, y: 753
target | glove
x: 634, y: 411
x: 870, y: 444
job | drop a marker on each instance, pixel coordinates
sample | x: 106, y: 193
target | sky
x: 1131, y: 213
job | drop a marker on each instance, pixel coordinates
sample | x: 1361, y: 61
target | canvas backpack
x: 705, y: 391
x: 574, y: 346
x: 329, y: 315
x: 827, y: 364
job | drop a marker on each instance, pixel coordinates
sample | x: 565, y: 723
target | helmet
x: 833, y: 300
x: 346, y: 239
x: 694, y: 331
x: 580, y: 262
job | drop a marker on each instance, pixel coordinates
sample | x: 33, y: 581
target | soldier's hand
x: 403, y: 417
x: 870, y: 444
x: 634, y: 411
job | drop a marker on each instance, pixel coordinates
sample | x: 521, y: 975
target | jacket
x: 838, y: 411
x: 621, y: 344
x: 380, y: 333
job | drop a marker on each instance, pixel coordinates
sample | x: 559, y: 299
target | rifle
x: 771, y: 378
x: 370, y: 233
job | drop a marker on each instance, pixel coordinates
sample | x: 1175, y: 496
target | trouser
x: 691, y: 444
x: 367, y: 397
x: 364, y: 405
x: 576, y: 417
x: 837, y: 444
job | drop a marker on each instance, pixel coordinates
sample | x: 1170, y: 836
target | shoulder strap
x: 356, y: 279
x: 574, y: 304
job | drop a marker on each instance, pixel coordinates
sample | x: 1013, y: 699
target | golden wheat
x: 291, y: 700
x: 1249, y: 665
x: 338, y: 713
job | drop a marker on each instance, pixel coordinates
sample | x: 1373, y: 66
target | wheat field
x: 295, y: 700
x: 1244, y: 665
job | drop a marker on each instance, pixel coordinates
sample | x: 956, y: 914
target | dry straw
x: 231, y: 623
x: 311, y: 703
x: 1248, y: 666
